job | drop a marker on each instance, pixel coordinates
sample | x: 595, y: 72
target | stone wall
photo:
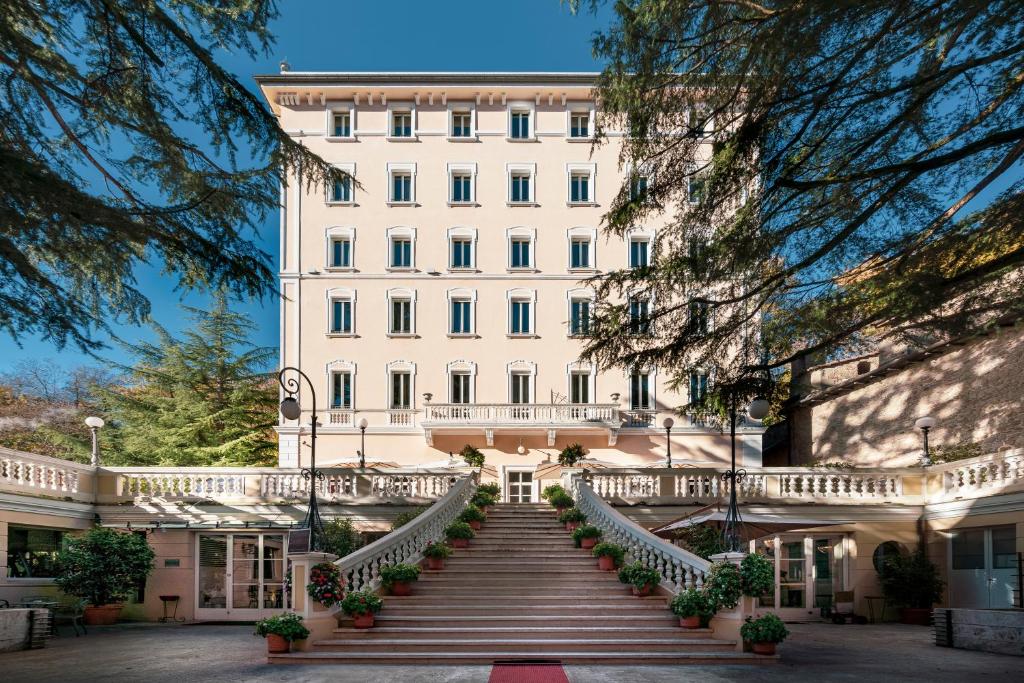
x: 989, y: 630
x: 975, y: 392
x: 22, y: 629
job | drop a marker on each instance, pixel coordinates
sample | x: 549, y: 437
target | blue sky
x: 398, y: 35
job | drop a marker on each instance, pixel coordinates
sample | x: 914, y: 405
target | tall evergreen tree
x: 204, y: 399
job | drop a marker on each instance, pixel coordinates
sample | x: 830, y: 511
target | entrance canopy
x: 752, y: 525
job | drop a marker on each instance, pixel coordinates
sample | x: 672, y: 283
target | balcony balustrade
x: 437, y: 414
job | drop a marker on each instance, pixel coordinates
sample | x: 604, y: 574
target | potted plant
x: 571, y: 455
x: 640, y: 578
x: 490, y: 488
x: 586, y: 536
x: 436, y: 554
x: 560, y: 500
x: 325, y: 584
x: 609, y: 555
x: 551, y: 490
x: 458, y: 534
x: 472, y: 456
x: 483, y: 500
x: 912, y: 582
x: 763, y: 633
x: 398, y: 578
x: 693, y: 608
x: 280, y: 630
x: 757, y: 575
x: 473, y: 516
x: 572, y: 518
x: 103, y: 567
x: 362, y: 606
x: 724, y: 585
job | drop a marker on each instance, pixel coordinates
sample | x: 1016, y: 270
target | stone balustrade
x: 40, y: 475
x: 520, y: 413
x: 981, y: 476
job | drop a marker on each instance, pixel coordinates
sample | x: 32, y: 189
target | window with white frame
x: 520, y: 312
x: 461, y: 126
x: 401, y: 312
x: 341, y: 311
x: 638, y: 187
x: 521, y: 185
x: 341, y: 389
x: 695, y: 183
x: 579, y: 124
x: 579, y: 386
x: 698, y: 386
x: 461, y: 183
x: 401, y: 248
x: 579, y: 315
x: 461, y: 383
x: 460, y: 311
x: 401, y: 187
x: 699, y: 317
x: 521, y: 248
x: 401, y: 125
x: 520, y: 122
x: 401, y: 390
x: 340, y: 248
x: 582, y: 242
x: 639, y: 251
x: 702, y: 121
x: 581, y: 183
x: 639, y: 315
x: 341, y: 190
x: 520, y: 385
x: 461, y: 248
x: 340, y: 123
x: 640, y: 390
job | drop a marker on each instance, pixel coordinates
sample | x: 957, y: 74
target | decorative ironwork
x: 312, y: 521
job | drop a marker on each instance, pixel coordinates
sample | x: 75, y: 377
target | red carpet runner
x: 527, y: 673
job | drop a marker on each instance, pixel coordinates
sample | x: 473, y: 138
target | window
x: 520, y: 252
x: 401, y: 315
x: 462, y: 124
x: 401, y: 187
x: 639, y: 316
x: 579, y: 252
x: 461, y: 318
x: 519, y: 128
x: 579, y: 387
x: 699, y: 318
x: 579, y: 124
x: 520, y: 317
x: 462, y: 252
x: 462, y: 188
x: 341, y: 252
x: 639, y: 249
x: 401, y: 390
x: 341, y: 124
x: 520, y: 188
x: 339, y: 247
x: 579, y: 317
x: 341, y: 390
x: 32, y: 553
x: 341, y: 190
x: 461, y: 385
x: 341, y: 315
x: 695, y: 187
x: 401, y: 123
x: 579, y: 187
x: 401, y: 252
x: 638, y: 187
x: 640, y: 391
x: 698, y: 386
x: 969, y: 549
x: 519, y: 387
x: 702, y: 121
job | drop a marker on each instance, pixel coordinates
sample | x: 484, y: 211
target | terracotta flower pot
x: 459, y: 542
x: 401, y: 588
x: 435, y: 563
x: 101, y: 615
x: 588, y: 543
x: 642, y: 592
x: 571, y: 526
x: 763, y: 648
x: 277, y: 644
x: 363, y: 620
x: 690, y: 622
x: 606, y: 562
x: 915, y: 616
x: 475, y: 526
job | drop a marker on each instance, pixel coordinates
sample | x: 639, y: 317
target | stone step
x: 566, y: 601
x: 497, y: 572
x: 522, y: 632
x: 536, y: 645
x: 641, y: 621
x: 598, y: 610
x: 482, y: 657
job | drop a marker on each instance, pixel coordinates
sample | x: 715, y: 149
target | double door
x: 519, y: 486
x: 982, y: 564
x: 239, y: 576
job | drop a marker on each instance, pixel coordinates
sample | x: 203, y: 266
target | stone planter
x: 401, y: 588
x: 763, y: 648
x: 588, y: 543
x: 277, y: 644
x: 101, y: 615
x: 363, y: 620
x: 606, y: 562
x: 690, y: 622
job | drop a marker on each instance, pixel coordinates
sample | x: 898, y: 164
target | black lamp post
x: 291, y: 410
x: 667, y: 424
x: 362, y: 435
x: 925, y: 424
x: 731, y: 530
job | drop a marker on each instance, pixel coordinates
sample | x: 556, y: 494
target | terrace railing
x: 39, y: 475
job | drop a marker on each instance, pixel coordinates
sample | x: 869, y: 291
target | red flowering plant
x: 325, y: 584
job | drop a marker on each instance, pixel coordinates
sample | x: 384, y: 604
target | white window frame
x: 402, y: 107
x: 649, y: 310
x: 520, y: 106
x: 652, y: 386
x: 694, y: 174
x: 641, y: 171
x: 402, y: 294
x: 521, y: 169
x: 401, y: 232
x: 581, y: 233
x: 462, y: 169
x: 640, y: 235
x: 345, y: 108
x: 349, y: 168
x: 709, y: 125
x: 572, y: 295
x: 341, y: 294
x: 520, y: 295
x: 462, y: 294
x: 580, y: 108
x: 516, y: 234
x: 342, y: 232
x: 521, y: 367
x: 406, y: 167
x: 462, y: 107
x: 699, y: 372
x: 463, y: 367
x: 462, y: 233
x: 589, y: 170
x: 340, y: 365
x: 397, y: 366
x: 581, y: 368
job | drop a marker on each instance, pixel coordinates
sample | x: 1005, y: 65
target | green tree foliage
x: 104, y: 566
x: 124, y: 142
x: 199, y: 400
x: 703, y: 540
x: 341, y: 537
x: 831, y: 173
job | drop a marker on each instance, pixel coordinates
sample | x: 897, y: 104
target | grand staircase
x: 521, y: 591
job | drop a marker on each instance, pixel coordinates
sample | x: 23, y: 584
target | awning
x: 753, y: 525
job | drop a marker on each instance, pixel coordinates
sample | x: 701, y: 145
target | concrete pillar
x: 320, y: 621
x: 727, y: 624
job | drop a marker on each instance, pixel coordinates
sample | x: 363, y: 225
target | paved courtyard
x: 210, y: 653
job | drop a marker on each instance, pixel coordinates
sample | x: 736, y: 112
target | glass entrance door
x: 520, y: 487
x: 982, y: 567
x: 808, y: 572
x: 239, y: 576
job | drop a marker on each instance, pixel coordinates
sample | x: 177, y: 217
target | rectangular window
x: 401, y: 391
x: 462, y: 124
x: 461, y: 312
x: 639, y: 320
x: 579, y: 387
x: 638, y: 253
x: 401, y: 124
x: 699, y: 317
x: 341, y: 252
x: 695, y: 189
x: 520, y: 323
x: 32, y: 553
x: 579, y: 253
x: 461, y: 383
x: 341, y: 190
x: 462, y: 188
x: 520, y: 191
x: 401, y: 253
x: 341, y: 390
x: 341, y: 124
x: 579, y: 188
x: 579, y: 318
x: 341, y: 316
x: 638, y: 188
x: 401, y: 316
x: 698, y: 386
x: 462, y: 253
x: 520, y: 389
x: 640, y: 391
x: 579, y: 125
x: 520, y: 125
x: 520, y: 257
x: 401, y: 187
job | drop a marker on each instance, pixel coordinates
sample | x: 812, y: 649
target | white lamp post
x: 363, y: 424
x: 667, y: 424
x: 94, y: 423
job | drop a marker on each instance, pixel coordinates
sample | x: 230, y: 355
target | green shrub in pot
x: 472, y: 514
x: 551, y: 490
x: 757, y: 575
x: 458, y: 531
x: 391, y: 574
x: 693, y: 602
x: 288, y: 626
x: 561, y: 499
x: 612, y: 550
x: 572, y: 515
x: 585, y: 531
x: 764, y: 629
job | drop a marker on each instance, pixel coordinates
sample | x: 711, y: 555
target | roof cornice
x: 451, y: 78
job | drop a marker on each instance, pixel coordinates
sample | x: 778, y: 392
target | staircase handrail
x: 360, y: 569
x: 679, y: 568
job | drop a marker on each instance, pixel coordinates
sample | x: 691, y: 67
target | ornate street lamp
x: 925, y: 424
x: 757, y: 409
x: 362, y: 435
x: 291, y: 410
x: 667, y: 424
x: 94, y: 423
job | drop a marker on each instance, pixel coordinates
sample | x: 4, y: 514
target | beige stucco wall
x: 975, y: 392
x: 16, y: 589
